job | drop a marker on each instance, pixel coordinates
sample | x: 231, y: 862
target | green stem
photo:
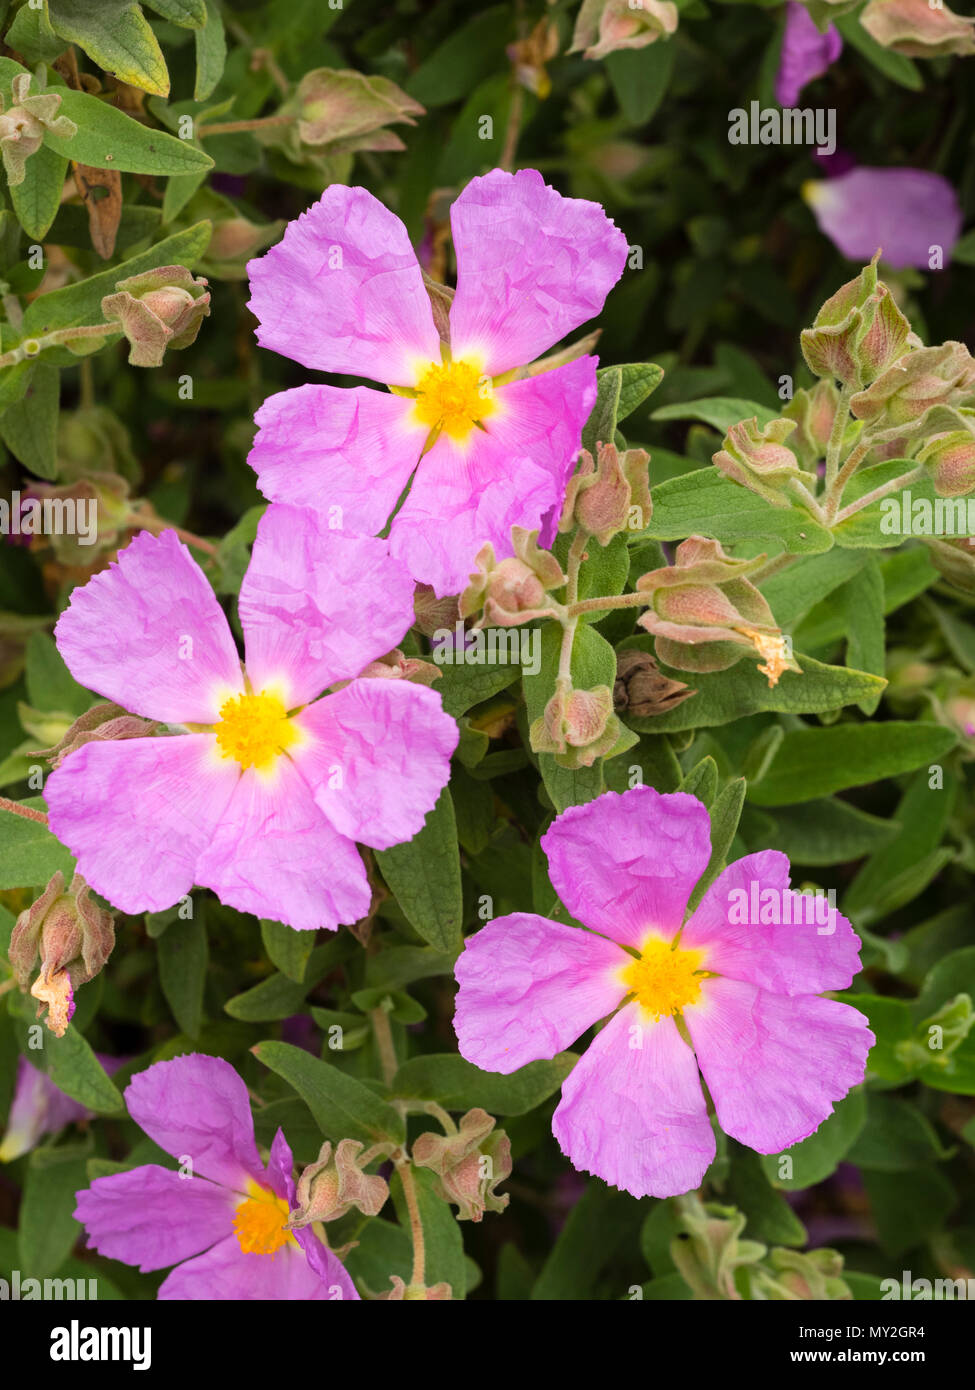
x: 779, y: 562
x: 836, y: 437
x: 857, y: 454
x: 597, y: 605
x: 237, y: 127
x: 33, y: 347
x: 883, y: 491
x: 405, y: 1170
x: 158, y: 524
x: 383, y: 1033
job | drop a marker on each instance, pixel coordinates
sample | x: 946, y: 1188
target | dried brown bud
x: 641, y: 687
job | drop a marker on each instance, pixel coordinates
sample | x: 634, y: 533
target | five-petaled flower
x: 265, y: 788
x: 743, y: 998
x: 343, y: 292
x: 222, y: 1218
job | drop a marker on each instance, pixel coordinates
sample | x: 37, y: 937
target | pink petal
x: 903, y: 211
x: 327, y: 1266
x: 226, y: 1273
x: 275, y: 854
x: 197, y: 1107
x: 775, y: 1066
x: 38, y: 1107
x: 347, y: 453
x: 626, y: 864
x: 137, y: 814
x: 149, y: 634
x: 464, y: 495
x: 531, y: 267
x: 806, y: 53
x: 342, y: 292
x: 633, y: 1112
x: 151, y: 1217
x: 529, y: 987
x: 316, y: 606
x: 785, y: 959
x: 376, y: 758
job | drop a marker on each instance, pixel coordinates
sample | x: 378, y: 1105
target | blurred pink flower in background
x: 906, y: 212
x: 806, y: 53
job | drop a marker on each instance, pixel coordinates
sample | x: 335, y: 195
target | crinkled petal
x: 136, y: 814
x: 348, y: 453
x: 775, y: 1066
x: 529, y: 987
x: 343, y: 292
x: 196, y: 1107
x: 226, y: 1273
x: 376, y: 757
x: 328, y: 1267
x: 152, y: 1217
x: 149, y: 634
x: 807, y: 958
x: 280, y: 1168
x: 316, y: 606
x: 531, y: 267
x: 463, y: 495
x: 626, y: 864
x: 903, y: 211
x: 806, y: 53
x: 633, y: 1112
x: 275, y: 854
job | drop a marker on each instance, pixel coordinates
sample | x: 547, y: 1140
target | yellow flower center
x: 260, y: 1222
x: 454, y: 397
x: 664, y: 979
x: 254, y: 729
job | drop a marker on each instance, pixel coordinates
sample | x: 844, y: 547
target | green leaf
x: 706, y: 502
x: 462, y: 686
x: 819, y: 833
x: 50, y: 685
x: 600, y: 428
x: 815, y: 1158
x: 725, y: 812
x: 861, y: 601
x: 183, y: 952
x: 896, y: 1136
x: 37, y: 199
x: 793, y: 592
x: 31, y: 35
x: 109, y: 139
x: 640, y: 79
x: 770, y: 1218
x: 288, y: 949
x: 211, y: 52
x: 913, y: 510
x: 702, y: 781
x: 69, y: 1061
x: 640, y: 379
x: 278, y: 996
x: 31, y: 855
x: 908, y: 1207
x: 893, y: 65
x: 596, y: 1226
x: 424, y: 875
x: 922, y: 816
x: 720, y: 412
x: 471, y: 53
x: 458, y: 1085
x: 188, y: 14
x: 343, y: 1107
x: 29, y: 427
x: 48, y: 1229
x: 818, y: 762
x: 117, y: 37
x: 402, y: 965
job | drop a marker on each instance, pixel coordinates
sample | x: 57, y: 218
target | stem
x: 513, y: 130
x: 577, y: 553
x: 33, y: 347
x: 383, y: 1034
x: 596, y: 605
x: 405, y: 1171
x: 808, y: 500
x: 157, y: 524
x: 236, y: 127
x: 857, y: 454
x: 836, y: 436
x: 16, y: 809
x: 883, y: 491
x: 778, y: 563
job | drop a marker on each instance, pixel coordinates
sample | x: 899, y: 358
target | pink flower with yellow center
x: 733, y: 990
x: 222, y: 1218
x: 261, y: 789
x: 486, y: 445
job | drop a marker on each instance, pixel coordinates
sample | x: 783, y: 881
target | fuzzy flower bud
x: 950, y: 459
x: 604, y: 496
x: 606, y: 26
x: 578, y: 726
x: 814, y: 412
x: 514, y: 590
x: 858, y: 333
x: 73, y: 937
x: 432, y: 613
x: 103, y: 721
x: 23, y: 127
x: 919, y: 29
x: 812, y: 1275
x: 919, y: 381
x: 160, y: 309
x: 338, y: 112
x: 705, y: 614
x: 468, y: 1164
x: 642, y: 689
x: 334, y: 1184
x: 955, y: 560
x: 759, y: 460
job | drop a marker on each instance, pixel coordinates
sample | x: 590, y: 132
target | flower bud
x: 917, y: 382
x: 396, y: 666
x: 606, y: 26
x: 858, y: 333
x: 950, y: 459
x: 814, y: 1275
x: 642, y: 689
x: 601, y: 497
x: 705, y: 614
x: 93, y: 443
x: 955, y: 560
x: 432, y: 613
x: 918, y: 29
x: 103, y: 721
x: 334, y: 1184
x: 954, y: 707
x: 417, y: 1293
x: 578, y: 726
x: 23, y: 127
x: 159, y: 309
x: 712, y: 1249
x: 528, y: 57
x: 514, y: 590
x: 74, y: 938
x: 758, y: 459
x: 234, y: 241
x: 338, y: 112
x: 100, y: 506
x: 468, y: 1164
x: 814, y: 412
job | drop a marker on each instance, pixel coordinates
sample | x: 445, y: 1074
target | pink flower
x: 39, y: 1107
x: 263, y: 790
x: 221, y: 1219
x: 343, y: 292
x: 905, y: 212
x: 774, y: 1055
x: 806, y: 53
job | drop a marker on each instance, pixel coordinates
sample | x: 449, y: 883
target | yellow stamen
x: 260, y: 1222
x: 454, y: 397
x: 664, y: 979
x: 773, y: 647
x: 254, y: 729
